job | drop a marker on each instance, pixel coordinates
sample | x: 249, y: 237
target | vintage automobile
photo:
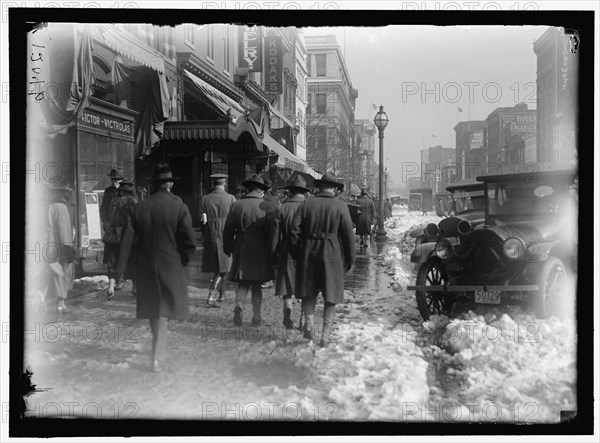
x: 420, y: 199
x: 467, y: 204
x: 523, y: 253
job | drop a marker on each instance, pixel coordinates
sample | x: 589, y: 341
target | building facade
x: 330, y: 110
x: 365, y: 131
x: 471, y: 151
x: 438, y: 167
x: 502, y: 124
x: 557, y: 97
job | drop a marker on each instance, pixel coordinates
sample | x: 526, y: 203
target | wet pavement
x: 99, y: 352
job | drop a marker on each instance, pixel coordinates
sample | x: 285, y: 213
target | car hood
x: 529, y: 231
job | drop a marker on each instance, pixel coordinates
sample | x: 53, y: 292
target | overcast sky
x: 394, y: 65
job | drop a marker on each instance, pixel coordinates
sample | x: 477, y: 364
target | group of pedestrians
x: 304, y: 244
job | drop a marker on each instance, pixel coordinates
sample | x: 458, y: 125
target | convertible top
x: 467, y: 184
x: 529, y: 177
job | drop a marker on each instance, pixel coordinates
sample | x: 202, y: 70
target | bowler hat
x: 218, y: 176
x: 162, y: 173
x: 330, y: 179
x: 255, y: 182
x: 297, y: 183
x: 114, y: 175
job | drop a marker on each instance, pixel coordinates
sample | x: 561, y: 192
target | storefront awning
x: 216, y: 130
x: 224, y: 103
x: 126, y: 45
x: 287, y: 159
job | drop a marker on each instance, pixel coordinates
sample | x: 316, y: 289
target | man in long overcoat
x: 271, y: 197
x: 162, y: 226
x: 322, y: 239
x: 286, y: 265
x: 215, y: 208
x: 365, y: 220
x: 250, y: 236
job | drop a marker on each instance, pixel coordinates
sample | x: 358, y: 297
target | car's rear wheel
x: 555, y: 296
x: 432, y: 273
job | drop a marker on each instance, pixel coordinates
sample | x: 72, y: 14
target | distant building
x: 557, y: 104
x: 438, y: 167
x: 503, y: 123
x: 365, y: 131
x: 330, y: 110
x: 471, y: 149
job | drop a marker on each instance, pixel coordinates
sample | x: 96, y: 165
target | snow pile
x: 90, y: 284
x: 371, y: 371
x: 525, y: 368
x: 399, y: 228
x: 400, y: 276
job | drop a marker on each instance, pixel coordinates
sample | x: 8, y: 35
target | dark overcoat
x: 286, y: 265
x: 322, y: 239
x: 107, y: 198
x: 216, y: 205
x: 250, y: 236
x: 365, y: 220
x: 162, y: 226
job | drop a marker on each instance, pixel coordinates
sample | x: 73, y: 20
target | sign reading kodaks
x: 273, y: 64
x: 250, y: 48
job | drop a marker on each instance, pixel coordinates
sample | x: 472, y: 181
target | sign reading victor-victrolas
x: 273, y: 64
x: 250, y: 48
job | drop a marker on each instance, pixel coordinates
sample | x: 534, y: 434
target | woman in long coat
x: 286, y: 265
x: 365, y: 220
x: 250, y: 236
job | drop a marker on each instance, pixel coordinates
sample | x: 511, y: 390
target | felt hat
x: 330, y: 179
x: 297, y: 183
x: 255, y: 181
x: 162, y: 173
x: 114, y: 175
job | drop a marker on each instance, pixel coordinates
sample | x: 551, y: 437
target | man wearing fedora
x: 111, y: 248
x: 250, y: 236
x: 322, y: 240
x: 286, y: 265
x: 109, y: 194
x: 165, y: 242
x: 215, y: 208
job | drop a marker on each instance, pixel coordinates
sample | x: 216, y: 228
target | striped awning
x: 126, y: 44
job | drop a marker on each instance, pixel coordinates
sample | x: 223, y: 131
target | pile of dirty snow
x: 521, y: 369
x: 401, y: 276
x: 398, y: 228
x: 371, y: 371
x: 90, y: 284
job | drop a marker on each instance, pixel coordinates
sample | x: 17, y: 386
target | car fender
x: 539, y: 252
x: 422, y: 252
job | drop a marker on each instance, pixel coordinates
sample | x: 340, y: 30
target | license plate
x: 454, y: 240
x: 487, y: 297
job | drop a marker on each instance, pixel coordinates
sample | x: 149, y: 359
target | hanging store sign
x: 273, y: 64
x: 96, y: 120
x: 250, y: 48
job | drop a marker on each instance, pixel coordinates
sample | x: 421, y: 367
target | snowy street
x: 385, y: 363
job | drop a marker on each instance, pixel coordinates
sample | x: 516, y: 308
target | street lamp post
x: 381, y: 121
x: 386, y: 172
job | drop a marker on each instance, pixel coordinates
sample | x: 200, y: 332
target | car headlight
x: 432, y: 230
x: 513, y: 248
x: 444, y: 249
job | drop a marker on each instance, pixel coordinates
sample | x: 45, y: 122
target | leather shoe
x: 308, y: 335
x: 256, y: 321
x: 110, y: 295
